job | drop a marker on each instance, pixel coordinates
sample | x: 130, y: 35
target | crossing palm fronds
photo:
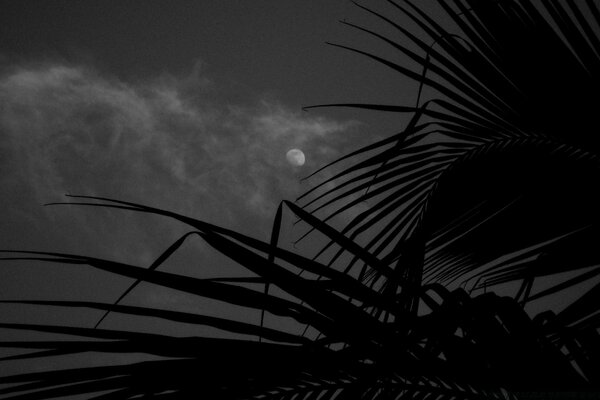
x: 466, y: 348
x: 491, y: 182
x: 499, y: 158
x: 354, y: 352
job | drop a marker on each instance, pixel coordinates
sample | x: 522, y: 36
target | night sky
x: 189, y: 106
x: 184, y: 105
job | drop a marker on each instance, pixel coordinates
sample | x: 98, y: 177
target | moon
x: 295, y: 157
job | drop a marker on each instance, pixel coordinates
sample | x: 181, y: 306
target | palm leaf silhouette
x: 497, y: 146
x: 490, y: 182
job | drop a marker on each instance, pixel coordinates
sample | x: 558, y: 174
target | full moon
x: 295, y: 157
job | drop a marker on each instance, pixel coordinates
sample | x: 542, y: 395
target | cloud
x: 171, y: 142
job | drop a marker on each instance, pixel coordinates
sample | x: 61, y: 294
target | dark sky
x: 179, y: 90
x: 250, y: 49
x: 184, y: 105
x: 188, y: 106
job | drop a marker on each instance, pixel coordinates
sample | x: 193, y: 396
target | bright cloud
x: 68, y: 129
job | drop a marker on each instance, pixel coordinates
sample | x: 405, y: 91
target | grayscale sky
x: 184, y: 105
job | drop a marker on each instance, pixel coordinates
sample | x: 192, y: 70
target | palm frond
x: 491, y: 182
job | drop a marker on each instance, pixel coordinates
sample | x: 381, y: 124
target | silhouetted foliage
x: 491, y: 182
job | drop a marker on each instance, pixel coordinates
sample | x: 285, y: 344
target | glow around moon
x: 295, y: 157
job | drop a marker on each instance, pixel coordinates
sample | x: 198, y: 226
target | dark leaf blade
x: 229, y: 293
x: 350, y: 322
x: 161, y: 259
x: 229, y: 325
x: 345, y: 242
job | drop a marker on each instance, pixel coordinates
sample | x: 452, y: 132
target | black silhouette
x: 491, y: 182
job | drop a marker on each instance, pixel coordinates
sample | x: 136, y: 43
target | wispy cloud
x: 166, y: 142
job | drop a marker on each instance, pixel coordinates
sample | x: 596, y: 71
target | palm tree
x: 490, y: 184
